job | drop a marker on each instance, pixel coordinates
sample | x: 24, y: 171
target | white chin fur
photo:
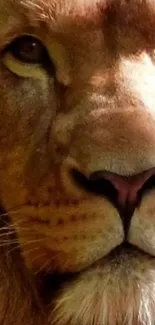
x: 121, y: 291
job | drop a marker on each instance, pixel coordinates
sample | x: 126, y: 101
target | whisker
x: 16, y: 226
x: 26, y: 244
x: 11, y: 210
x: 8, y: 243
x: 13, y: 249
x: 6, y: 231
x: 49, y: 270
x: 37, y: 257
x: 7, y: 213
x: 11, y: 224
x: 34, y: 241
x: 5, y: 234
x: 26, y: 252
x: 8, y: 227
x: 42, y: 267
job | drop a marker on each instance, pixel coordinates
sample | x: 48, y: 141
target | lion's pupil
x: 29, y: 50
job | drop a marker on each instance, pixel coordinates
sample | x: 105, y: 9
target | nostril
x: 121, y: 190
x: 124, y: 192
x: 94, y: 184
x: 128, y: 188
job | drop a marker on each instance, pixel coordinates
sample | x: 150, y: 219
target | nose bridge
x: 117, y: 131
x: 129, y: 82
x: 110, y: 90
x: 114, y: 125
x: 105, y: 82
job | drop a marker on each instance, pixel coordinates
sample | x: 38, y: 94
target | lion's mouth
x: 117, y: 258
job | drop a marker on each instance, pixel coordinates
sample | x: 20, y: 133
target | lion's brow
x: 59, y: 11
x: 56, y: 12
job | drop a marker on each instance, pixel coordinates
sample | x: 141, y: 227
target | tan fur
x: 96, y: 113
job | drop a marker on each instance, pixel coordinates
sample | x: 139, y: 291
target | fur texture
x: 89, y: 106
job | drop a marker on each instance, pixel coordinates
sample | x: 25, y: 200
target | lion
x: 77, y: 162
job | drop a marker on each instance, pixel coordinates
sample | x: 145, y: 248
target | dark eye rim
x: 45, y: 62
x: 14, y: 48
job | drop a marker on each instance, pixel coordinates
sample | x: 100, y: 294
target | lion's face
x: 77, y: 151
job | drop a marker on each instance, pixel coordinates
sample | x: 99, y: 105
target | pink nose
x: 128, y: 187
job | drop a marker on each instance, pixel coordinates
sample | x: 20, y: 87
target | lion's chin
x: 119, y: 290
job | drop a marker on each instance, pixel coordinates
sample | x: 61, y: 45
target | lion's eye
x: 28, y: 49
x: 27, y: 57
